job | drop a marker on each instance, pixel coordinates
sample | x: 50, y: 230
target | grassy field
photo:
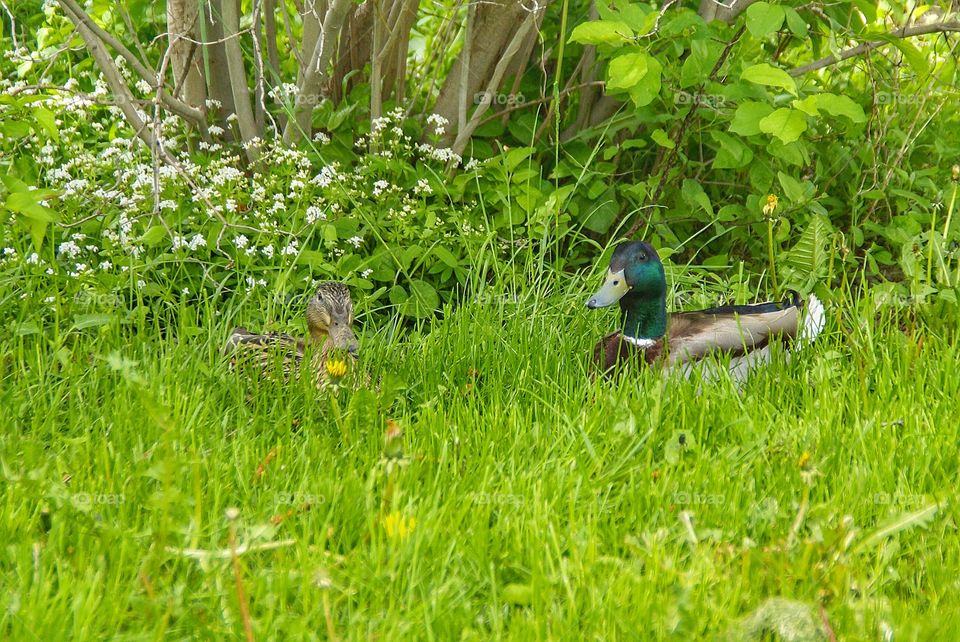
x: 523, y: 501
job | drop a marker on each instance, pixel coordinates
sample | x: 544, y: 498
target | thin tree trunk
x: 308, y: 91
x: 238, y: 77
x: 492, y: 26
x: 182, y: 28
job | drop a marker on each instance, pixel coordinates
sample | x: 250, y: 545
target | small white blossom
x: 241, y: 241
x: 69, y: 248
x: 314, y: 214
x: 355, y: 241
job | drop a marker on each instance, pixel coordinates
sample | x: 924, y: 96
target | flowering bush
x: 398, y: 219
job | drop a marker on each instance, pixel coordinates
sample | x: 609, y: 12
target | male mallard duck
x: 650, y: 335
x: 330, y: 324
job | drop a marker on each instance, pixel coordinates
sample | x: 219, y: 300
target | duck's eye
x: 642, y: 256
x: 616, y: 282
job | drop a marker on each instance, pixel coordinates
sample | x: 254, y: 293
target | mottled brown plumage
x: 330, y: 331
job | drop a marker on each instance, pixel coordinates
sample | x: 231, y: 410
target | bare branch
x: 711, y: 10
x: 910, y: 31
x: 79, y: 16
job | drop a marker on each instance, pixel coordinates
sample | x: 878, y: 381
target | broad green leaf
x: 645, y: 91
x: 698, y: 65
x: 807, y: 105
x: 48, y: 121
x: 841, y: 106
x: 660, y: 138
x: 770, y: 76
x: 153, y: 235
x: 914, y: 56
x: 28, y: 204
x: 732, y: 153
x: 794, y: 190
x: 786, y: 124
x: 423, y: 300
x: 764, y: 18
x: 330, y: 233
x: 83, y: 321
x: 746, y: 120
x: 601, y: 32
x: 516, y: 156
x: 796, y: 23
x: 809, y: 257
x: 626, y: 70
x: 693, y: 194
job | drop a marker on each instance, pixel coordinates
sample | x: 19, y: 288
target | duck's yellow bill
x: 612, y: 291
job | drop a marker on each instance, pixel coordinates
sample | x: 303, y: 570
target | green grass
x: 547, y: 505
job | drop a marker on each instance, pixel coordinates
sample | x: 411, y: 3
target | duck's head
x: 330, y: 317
x: 636, y: 269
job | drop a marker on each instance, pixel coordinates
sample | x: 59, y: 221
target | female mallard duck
x: 650, y: 335
x: 330, y: 325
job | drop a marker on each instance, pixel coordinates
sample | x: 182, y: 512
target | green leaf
x: 807, y: 105
x: 698, y: 65
x: 746, y: 120
x: 764, y: 18
x: 518, y: 594
x: 330, y: 233
x: 660, y: 138
x: 902, y: 522
x: 153, y: 235
x: 626, y: 70
x: 601, y: 32
x: 794, y: 190
x: 810, y: 256
x: 914, y: 57
x: 770, y: 76
x: 516, y: 156
x: 693, y: 194
x: 644, y: 92
x: 47, y: 121
x: 423, y: 300
x: 841, y: 106
x: 786, y: 124
x: 83, y: 321
x: 796, y: 24
x: 732, y: 153
x: 28, y: 204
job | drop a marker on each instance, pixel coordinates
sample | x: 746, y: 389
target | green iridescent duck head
x: 636, y: 281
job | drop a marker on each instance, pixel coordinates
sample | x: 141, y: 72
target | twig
x: 904, y: 32
x: 80, y: 17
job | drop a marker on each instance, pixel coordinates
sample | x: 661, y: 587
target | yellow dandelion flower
x: 336, y: 368
x: 804, y: 461
x: 398, y: 526
x: 771, y: 205
x: 955, y: 171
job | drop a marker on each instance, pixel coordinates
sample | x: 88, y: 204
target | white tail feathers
x: 814, y: 318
